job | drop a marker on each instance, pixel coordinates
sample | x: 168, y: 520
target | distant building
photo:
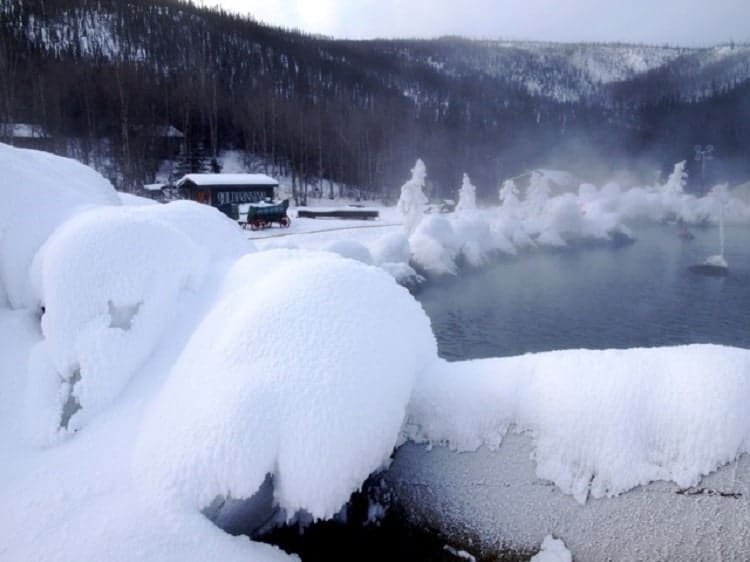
x: 25, y: 135
x: 164, y: 140
x: 224, y: 190
x: 167, y: 132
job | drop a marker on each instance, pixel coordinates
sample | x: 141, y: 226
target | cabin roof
x: 235, y: 180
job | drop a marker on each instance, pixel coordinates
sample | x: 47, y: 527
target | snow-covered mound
x: 110, y: 280
x: 39, y: 192
x: 317, y: 403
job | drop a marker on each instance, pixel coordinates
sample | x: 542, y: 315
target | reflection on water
x: 633, y: 296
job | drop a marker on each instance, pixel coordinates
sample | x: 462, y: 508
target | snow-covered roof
x: 23, y: 131
x: 209, y: 180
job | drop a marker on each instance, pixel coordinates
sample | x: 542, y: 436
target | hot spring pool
x: 640, y: 295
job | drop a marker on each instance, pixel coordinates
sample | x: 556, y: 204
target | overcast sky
x: 678, y: 22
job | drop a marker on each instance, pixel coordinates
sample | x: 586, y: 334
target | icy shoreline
x: 491, y: 502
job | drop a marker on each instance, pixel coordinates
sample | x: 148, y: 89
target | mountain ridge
x: 358, y: 111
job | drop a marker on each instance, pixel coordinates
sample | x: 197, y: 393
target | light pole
x: 703, y: 153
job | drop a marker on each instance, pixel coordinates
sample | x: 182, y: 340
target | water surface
x: 640, y: 295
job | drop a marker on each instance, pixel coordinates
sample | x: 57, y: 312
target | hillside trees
x: 104, y: 76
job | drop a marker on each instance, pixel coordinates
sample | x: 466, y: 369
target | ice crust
x: 603, y: 422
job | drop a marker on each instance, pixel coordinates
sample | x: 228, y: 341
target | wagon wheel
x: 285, y: 222
x: 256, y: 224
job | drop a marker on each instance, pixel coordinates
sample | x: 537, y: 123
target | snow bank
x: 39, y: 192
x: 603, y: 422
x: 350, y: 249
x: 316, y: 403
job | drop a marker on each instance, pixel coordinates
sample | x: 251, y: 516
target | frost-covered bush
x: 537, y: 195
x: 391, y: 248
x: 509, y: 223
x: 434, y: 245
x: 411, y: 204
x: 467, y: 196
x: 677, y: 179
x: 508, y: 195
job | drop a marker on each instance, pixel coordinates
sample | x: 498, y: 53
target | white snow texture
x: 173, y: 364
x: 152, y: 361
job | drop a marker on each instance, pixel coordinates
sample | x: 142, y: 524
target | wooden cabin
x: 225, y: 190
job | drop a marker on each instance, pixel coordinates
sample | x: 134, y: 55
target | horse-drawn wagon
x: 263, y: 215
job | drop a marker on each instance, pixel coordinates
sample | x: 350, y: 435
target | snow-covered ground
x: 153, y: 359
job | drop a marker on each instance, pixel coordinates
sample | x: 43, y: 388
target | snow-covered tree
x: 677, y: 179
x: 509, y: 195
x: 467, y: 196
x: 537, y: 194
x: 411, y: 203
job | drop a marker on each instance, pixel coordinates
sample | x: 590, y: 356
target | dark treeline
x: 104, y: 77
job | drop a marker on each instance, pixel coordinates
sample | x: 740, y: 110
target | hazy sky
x: 681, y: 22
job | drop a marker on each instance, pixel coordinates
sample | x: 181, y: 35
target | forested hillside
x: 104, y: 77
